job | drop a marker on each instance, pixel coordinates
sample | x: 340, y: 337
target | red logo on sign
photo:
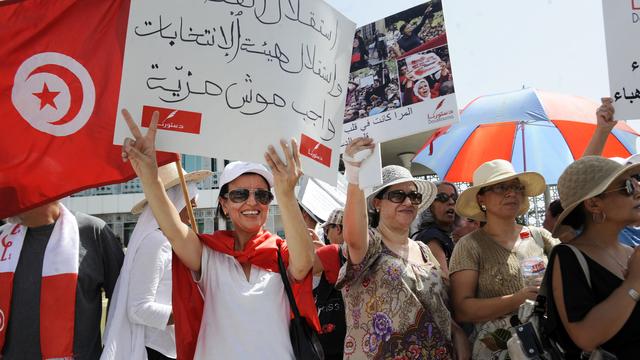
x: 314, y: 150
x: 173, y: 120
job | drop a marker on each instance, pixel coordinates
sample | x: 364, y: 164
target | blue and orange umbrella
x: 535, y: 130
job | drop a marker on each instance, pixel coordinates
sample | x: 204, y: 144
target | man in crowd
x: 54, y: 266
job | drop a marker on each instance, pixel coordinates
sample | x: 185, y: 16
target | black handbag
x: 304, y: 339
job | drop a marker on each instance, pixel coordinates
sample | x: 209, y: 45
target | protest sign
x: 321, y: 198
x: 230, y: 77
x: 412, y: 90
x: 622, y: 26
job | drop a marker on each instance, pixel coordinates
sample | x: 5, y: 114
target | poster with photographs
x: 400, y: 82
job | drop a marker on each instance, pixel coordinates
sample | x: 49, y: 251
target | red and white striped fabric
x: 58, y: 288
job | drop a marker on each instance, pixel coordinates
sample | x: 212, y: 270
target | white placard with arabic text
x: 230, y: 77
x: 622, y: 29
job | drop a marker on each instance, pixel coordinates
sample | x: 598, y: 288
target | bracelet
x: 635, y: 295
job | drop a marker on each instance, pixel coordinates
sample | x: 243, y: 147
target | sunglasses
x: 398, y: 197
x: 501, y: 189
x: 444, y: 197
x: 630, y: 186
x: 264, y: 197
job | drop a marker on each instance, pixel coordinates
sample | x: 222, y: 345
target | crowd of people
x: 369, y: 100
x: 367, y: 287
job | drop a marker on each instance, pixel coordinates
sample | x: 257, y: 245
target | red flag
x: 61, y: 67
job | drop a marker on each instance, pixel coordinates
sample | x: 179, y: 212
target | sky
x: 502, y: 45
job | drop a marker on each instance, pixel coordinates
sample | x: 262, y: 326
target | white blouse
x: 242, y: 319
x: 149, y: 300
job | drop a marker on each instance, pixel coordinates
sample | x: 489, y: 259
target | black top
x: 579, y: 299
x: 100, y: 258
x: 434, y: 233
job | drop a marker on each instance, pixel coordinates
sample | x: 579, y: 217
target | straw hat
x: 168, y: 174
x: 394, y: 174
x: 586, y: 178
x: 335, y: 218
x: 494, y: 172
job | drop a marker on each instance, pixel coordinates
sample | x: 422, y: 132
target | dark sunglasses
x: 629, y: 186
x: 503, y: 188
x: 398, y: 196
x: 444, y: 197
x: 264, y: 197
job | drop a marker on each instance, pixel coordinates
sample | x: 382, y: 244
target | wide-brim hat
x: 236, y: 168
x: 491, y: 173
x: 169, y: 177
x: 585, y: 178
x: 394, y: 174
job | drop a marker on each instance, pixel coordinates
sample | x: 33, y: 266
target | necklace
x: 623, y: 267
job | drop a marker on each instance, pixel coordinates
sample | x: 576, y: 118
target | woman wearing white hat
x: 392, y: 286
x: 239, y: 292
x: 599, y: 310
x: 140, y: 312
x: 497, y: 267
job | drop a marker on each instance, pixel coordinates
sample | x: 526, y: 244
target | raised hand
x: 285, y: 173
x: 358, y: 150
x: 141, y: 151
x: 605, y: 113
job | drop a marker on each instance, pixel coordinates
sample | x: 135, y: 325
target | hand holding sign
x: 285, y: 174
x: 605, y: 113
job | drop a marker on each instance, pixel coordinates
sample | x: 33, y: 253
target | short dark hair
x: 402, y: 27
x: 555, y: 208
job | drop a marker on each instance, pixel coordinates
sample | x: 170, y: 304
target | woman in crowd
x: 393, y: 291
x: 600, y: 197
x: 140, y: 312
x: 236, y: 271
x: 463, y: 226
x: 487, y: 282
x: 436, y: 225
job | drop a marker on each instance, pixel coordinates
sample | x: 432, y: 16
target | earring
x: 599, y: 218
x: 377, y: 210
x: 483, y: 208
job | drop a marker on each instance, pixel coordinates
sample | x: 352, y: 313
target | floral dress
x: 395, y: 309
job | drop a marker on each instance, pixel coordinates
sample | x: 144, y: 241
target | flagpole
x: 185, y: 192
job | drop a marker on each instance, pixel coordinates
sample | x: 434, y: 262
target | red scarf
x: 329, y: 256
x: 261, y: 251
x: 58, y: 286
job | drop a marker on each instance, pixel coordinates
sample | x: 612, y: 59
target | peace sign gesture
x: 141, y: 151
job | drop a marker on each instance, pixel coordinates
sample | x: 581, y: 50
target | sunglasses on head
x: 262, y: 196
x: 398, y: 197
x: 503, y: 188
x: 629, y: 187
x: 444, y: 197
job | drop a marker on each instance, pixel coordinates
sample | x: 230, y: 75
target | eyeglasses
x: 264, y: 197
x: 444, y: 197
x: 501, y: 189
x: 629, y: 186
x: 398, y: 196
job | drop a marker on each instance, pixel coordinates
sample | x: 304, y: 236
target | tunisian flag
x: 59, y: 86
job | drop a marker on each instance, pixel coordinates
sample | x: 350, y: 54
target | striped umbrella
x: 535, y: 130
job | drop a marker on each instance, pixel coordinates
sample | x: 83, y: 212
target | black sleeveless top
x: 579, y: 299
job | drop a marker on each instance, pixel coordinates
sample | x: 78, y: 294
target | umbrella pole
x: 524, y: 154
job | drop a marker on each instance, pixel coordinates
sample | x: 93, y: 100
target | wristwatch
x: 635, y: 295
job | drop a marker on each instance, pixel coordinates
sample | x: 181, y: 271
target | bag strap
x: 287, y: 287
x: 582, y: 261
